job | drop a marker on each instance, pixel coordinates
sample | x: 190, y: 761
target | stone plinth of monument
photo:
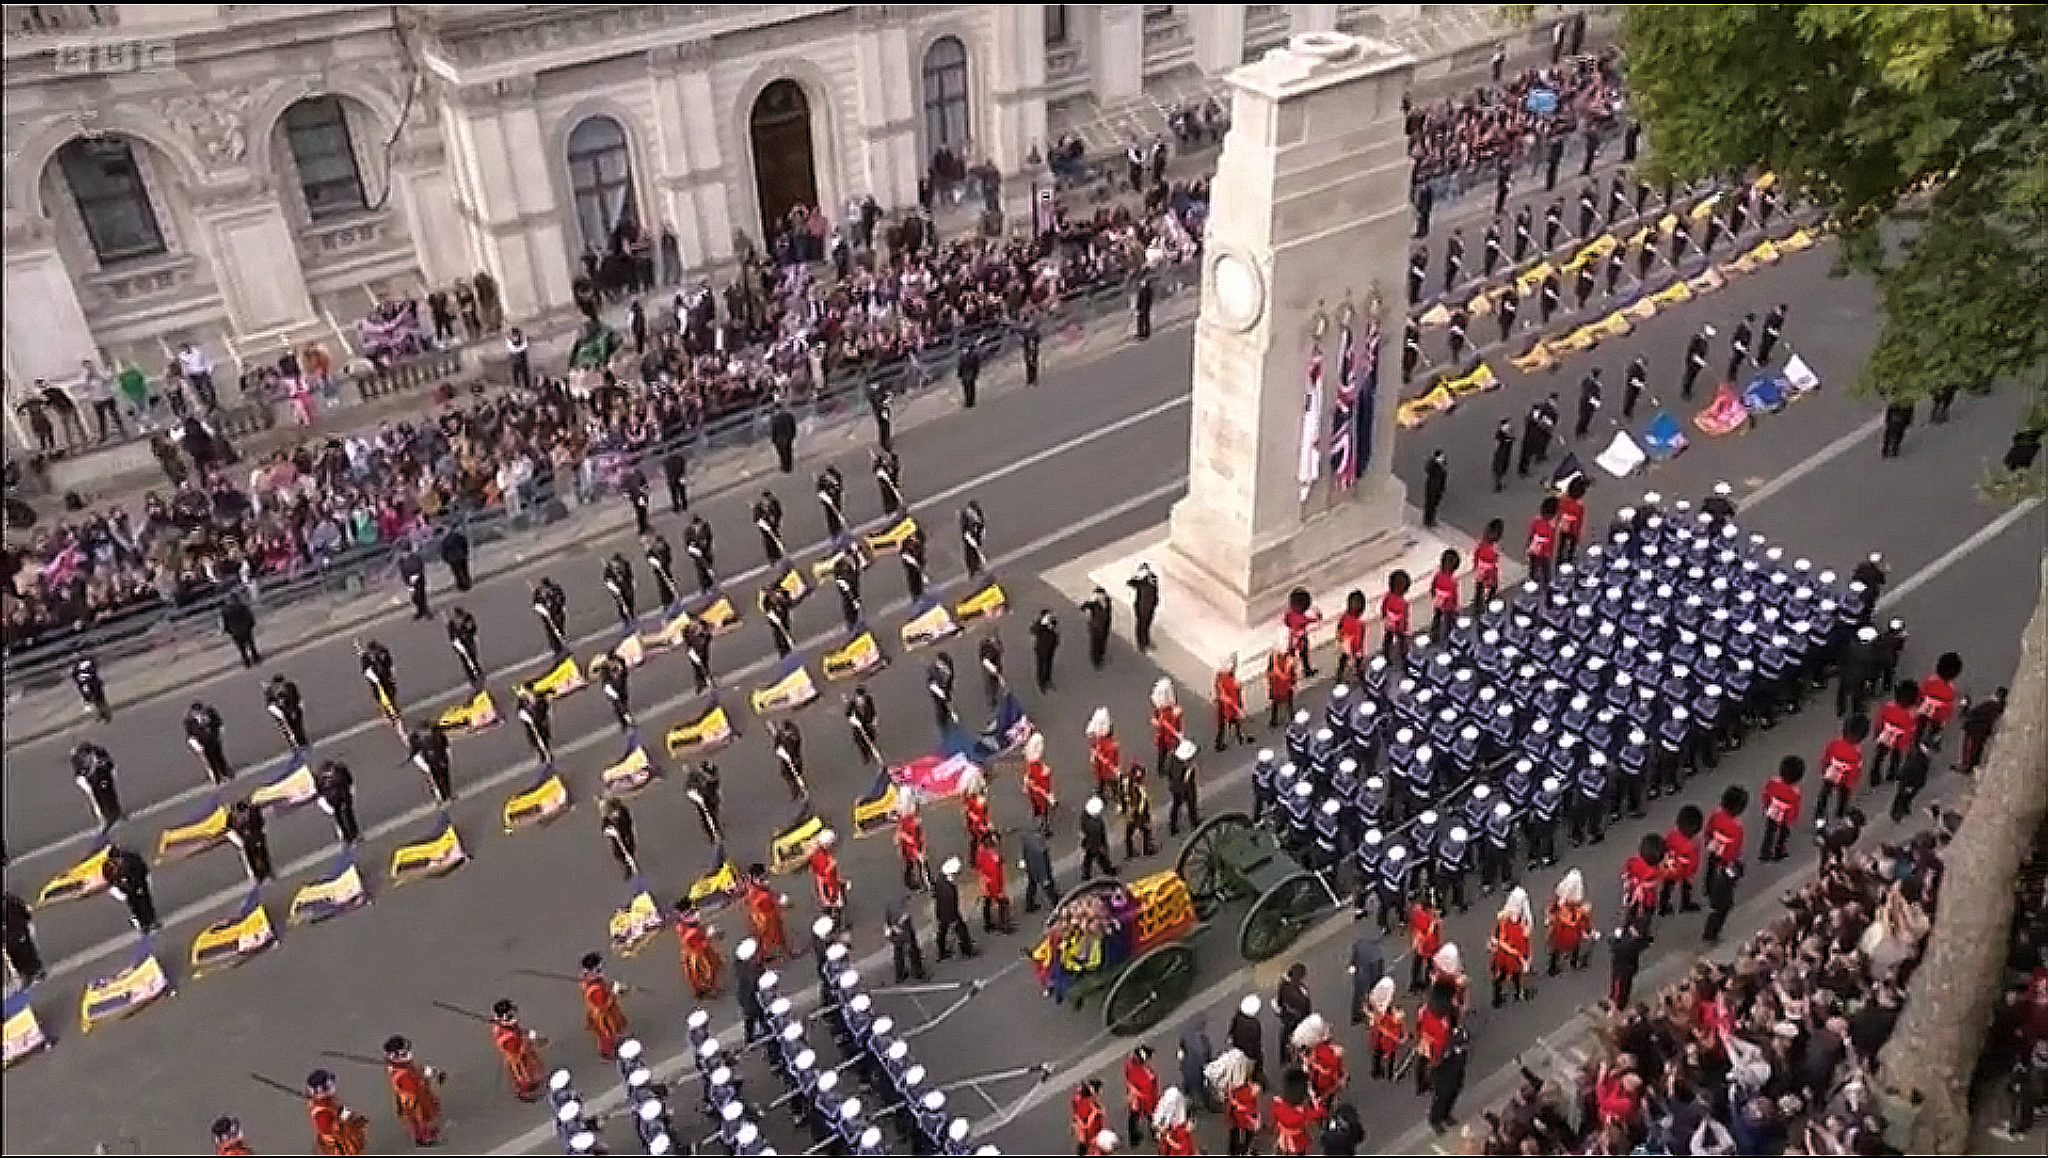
x: 1305, y: 259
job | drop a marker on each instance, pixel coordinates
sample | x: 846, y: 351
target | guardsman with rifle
x: 889, y: 481
x: 615, y: 822
x: 246, y: 833
x: 938, y: 684
x: 788, y: 740
x: 846, y: 579
x: 697, y: 647
x: 462, y: 637
x: 535, y: 716
x: 990, y: 653
x: 698, y: 545
x: 92, y: 769
x: 519, y: 1048
x: 127, y: 877
x: 203, y: 736
x: 602, y: 1014
x: 551, y: 605
x: 703, y: 788
x: 912, y: 552
x: 413, y: 570
x: 616, y: 679
x: 336, y: 787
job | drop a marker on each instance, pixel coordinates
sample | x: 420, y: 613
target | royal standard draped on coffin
x: 137, y: 986
x: 340, y: 891
x: 707, y: 733
x: 438, y: 855
x: 225, y: 944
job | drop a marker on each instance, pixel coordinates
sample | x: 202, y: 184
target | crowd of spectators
x: 1775, y: 1053
x: 1507, y: 123
x: 888, y: 293
x: 2016, y: 1054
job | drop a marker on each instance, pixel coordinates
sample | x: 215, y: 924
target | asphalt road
x: 1121, y: 442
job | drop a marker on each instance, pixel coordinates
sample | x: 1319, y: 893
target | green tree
x: 1921, y: 128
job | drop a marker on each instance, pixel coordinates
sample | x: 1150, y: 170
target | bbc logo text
x: 102, y: 57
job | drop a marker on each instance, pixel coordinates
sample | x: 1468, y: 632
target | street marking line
x: 234, y: 895
x: 1814, y: 462
x: 1958, y: 553
x: 610, y: 632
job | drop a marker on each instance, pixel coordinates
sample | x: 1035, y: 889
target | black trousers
x: 954, y: 925
x: 459, y: 569
x: 142, y: 908
x: 25, y: 958
x: 344, y: 813
x: 245, y: 645
x: 1093, y: 856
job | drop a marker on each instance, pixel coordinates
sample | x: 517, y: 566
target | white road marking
x: 1814, y: 462
x: 1958, y: 553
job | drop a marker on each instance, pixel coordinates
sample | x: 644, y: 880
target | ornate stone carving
x: 574, y: 28
x: 216, y: 124
x: 696, y: 55
x: 31, y: 232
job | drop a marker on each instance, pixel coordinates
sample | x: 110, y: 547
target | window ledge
x: 129, y: 282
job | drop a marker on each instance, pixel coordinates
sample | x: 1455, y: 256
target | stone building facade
x: 249, y: 177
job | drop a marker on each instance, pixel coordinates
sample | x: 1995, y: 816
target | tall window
x: 945, y: 96
x: 1056, y: 33
x: 601, y: 176
x: 112, y: 200
x: 317, y: 130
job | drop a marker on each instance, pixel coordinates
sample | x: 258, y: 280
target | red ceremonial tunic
x: 1229, y: 697
x: 1443, y: 591
x: 1841, y: 763
x: 1782, y: 801
x: 1351, y: 634
x: 1177, y: 1142
x: 1569, y: 925
x: 1681, y: 856
x: 1486, y: 559
x: 1141, y: 1088
x: 1242, y: 1108
x: 1291, y: 1125
x: 1425, y: 931
x: 1937, y: 700
x: 1571, y: 515
x: 1724, y: 837
x: 1510, y: 947
x: 1640, y: 881
x: 1542, y: 537
x: 1895, y: 726
x: 1038, y: 786
x: 1394, y: 613
x: 1105, y: 759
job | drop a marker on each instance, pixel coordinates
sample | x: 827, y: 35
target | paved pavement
x: 1102, y: 452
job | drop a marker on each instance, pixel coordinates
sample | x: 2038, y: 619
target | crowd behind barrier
x: 1459, y: 144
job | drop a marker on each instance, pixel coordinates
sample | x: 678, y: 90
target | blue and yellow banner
x: 856, y: 657
x: 790, y: 582
x: 629, y: 650
x: 543, y: 800
x: 987, y: 602
x: 719, y: 886
x: 893, y: 538
x: 438, y: 855
x: 225, y: 944
x: 207, y: 831
x: 84, y: 879
x: 560, y: 680
x: 929, y: 623
x: 707, y: 733
x: 289, y: 789
x: 638, y: 922
x: 717, y: 612
x: 790, y: 689
x: 340, y: 891
x: 670, y: 635
x: 24, y: 1031
x: 823, y: 570
x: 473, y: 715
x: 129, y: 991
x: 790, y: 848
x: 876, y: 810
x: 633, y: 772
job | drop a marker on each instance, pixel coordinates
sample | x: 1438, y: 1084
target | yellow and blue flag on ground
x: 792, y: 846
x: 629, y: 650
x: 876, y: 810
x: 291, y: 788
x: 24, y: 1031
x: 228, y: 943
x: 638, y: 922
x: 204, y: 832
x: 707, y: 733
x: 560, y: 680
x: 633, y: 772
x: 986, y: 602
x: 539, y: 802
x: 132, y: 989
x: 340, y: 891
x: 790, y: 582
x: 670, y: 635
x: 929, y: 623
x: 893, y: 537
x: 822, y: 570
x: 84, y: 879
x: 858, y: 656
x: 438, y: 855
x: 717, y: 887
x: 718, y: 612
x: 790, y: 689
x: 472, y: 715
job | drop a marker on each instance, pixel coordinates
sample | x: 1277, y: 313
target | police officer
x: 846, y: 579
x: 1591, y: 394
x: 1098, y: 609
x: 938, y: 684
x: 1036, y: 862
x: 776, y: 608
x: 633, y: 484
x: 698, y: 545
x: 1739, y: 343
x: 462, y: 637
x: 697, y: 648
x: 782, y: 435
x: 413, y: 570
x: 455, y: 555
x: 127, y: 877
x: 946, y: 911
x: 968, y: 367
x: 661, y: 563
x: 245, y: 830
x: 336, y: 787
x: 701, y: 785
x: 281, y: 699
x: 888, y: 471
x: 92, y: 769
x: 861, y: 717
x: 1144, y: 587
x: 203, y: 735
x: 990, y: 654
x: 1045, y: 645
x: 85, y: 676
x: 1695, y: 361
x: 618, y: 581
x: 1030, y: 339
x: 535, y: 719
x: 239, y: 624
x: 427, y: 747
x: 912, y: 553
x: 767, y: 516
x: 898, y: 925
x: 831, y: 488
x: 615, y: 678
x: 973, y: 528
x: 551, y: 605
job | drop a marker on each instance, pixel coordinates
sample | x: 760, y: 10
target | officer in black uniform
x: 455, y: 555
x: 912, y: 552
x: 1436, y: 478
x: 1503, y: 452
x: 413, y: 570
x: 18, y: 936
x: 1510, y: 309
x: 1774, y: 328
x: 1098, y: 610
x: 615, y: 821
x: 702, y: 786
x: 903, y: 945
x: 1632, y: 387
x: 1045, y: 645
x: 246, y: 831
x: 379, y: 671
x: 846, y: 578
x: 203, y: 730
x: 534, y: 716
x: 767, y: 516
x: 861, y: 717
x: 618, y: 581
x: 888, y: 471
x: 661, y: 563
x: 1144, y: 587
x: 883, y: 411
x: 788, y: 741
x: 92, y: 769
x: 552, y: 606
x: 281, y: 699
x: 831, y: 488
x: 968, y: 367
x: 1137, y: 811
x: 85, y: 676
x: 1037, y: 865
x: 972, y: 529
x: 776, y: 608
x: 1490, y: 258
x: 1553, y: 224
x: 1695, y: 361
x: 1094, y: 841
x: 697, y: 647
x: 1617, y: 261
x: 1738, y: 344
x: 1525, y: 233
x: 946, y: 912
x: 938, y: 684
x: 336, y: 786
x: 239, y: 624
x: 633, y: 484
x: 782, y: 435
x: 1591, y: 397
x: 427, y: 746
x: 127, y: 877
x: 990, y: 653
x: 462, y: 637
x: 615, y: 678
x: 697, y: 544
x: 1549, y: 295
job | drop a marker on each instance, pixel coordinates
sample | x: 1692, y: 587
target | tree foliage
x: 1921, y: 128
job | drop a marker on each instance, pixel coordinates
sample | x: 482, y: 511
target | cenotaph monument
x: 1290, y: 477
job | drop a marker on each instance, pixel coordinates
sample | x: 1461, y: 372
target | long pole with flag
x: 1365, y: 400
x: 1312, y: 412
x: 1343, y: 415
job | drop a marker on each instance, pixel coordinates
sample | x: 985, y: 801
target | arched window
x: 325, y: 156
x: 601, y: 176
x: 112, y: 199
x: 945, y: 97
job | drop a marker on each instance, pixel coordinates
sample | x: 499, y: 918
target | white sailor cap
x: 1428, y: 818
x: 640, y: 1079
x: 849, y: 1109
x: 1332, y: 806
x: 1397, y: 853
x: 951, y: 868
x: 871, y: 1138
x: 912, y: 1077
x: 848, y: 980
x: 1301, y: 717
x: 1723, y: 489
x: 568, y: 1111
x: 698, y: 1019
x: 560, y: 1079
x: 828, y: 1081
x: 1304, y: 790
x: 661, y: 1145
x: 705, y: 1051
x: 822, y: 927
x: 1503, y: 808
x: 769, y: 980
x: 1550, y: 784
x: 630, y: 1050
x: 1323, y: 736
x: 722, y: 1076
x: 1186, y: 751
x: 1424, y: 754
x: 779, y: 1007
x: 1374, y: 836
x: 836, y: 952
x: 861, y: 1003
x: 651, y: 1110
x: 1459, y: 835
x: 897, y: 1051
x: 583, y: 1142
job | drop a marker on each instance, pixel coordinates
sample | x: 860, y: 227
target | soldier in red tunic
x: 917, y: 870
x: 1141, y: 1092
x: 1169, y: 725
x: 1105, y: 759
x: 1038, y: 783
x: 414, y: 1092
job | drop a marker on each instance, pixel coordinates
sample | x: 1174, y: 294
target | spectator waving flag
x: 1344, y: 416
x: 1312, y: 422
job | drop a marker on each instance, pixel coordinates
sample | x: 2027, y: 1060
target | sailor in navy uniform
x: 1497, y: 848
x: 1296, y: 739
x: 1344, y: 782
x: 1544, y: 809
x: 1337, y: 716
x: 1372, y: 802
x: 1329, y: 834
x: 1391, y: 885
x: 1265, y: 774
x: 1453, y: 859
x: 1298, y: 806
x: 1368, y: 726
x: 931, y: 1122
x: 1365, y: 859
x: 1633, y: 763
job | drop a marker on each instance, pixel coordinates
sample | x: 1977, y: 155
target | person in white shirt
x: 99, y: 390
x: 522, y: 367
x: 198, y: 371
